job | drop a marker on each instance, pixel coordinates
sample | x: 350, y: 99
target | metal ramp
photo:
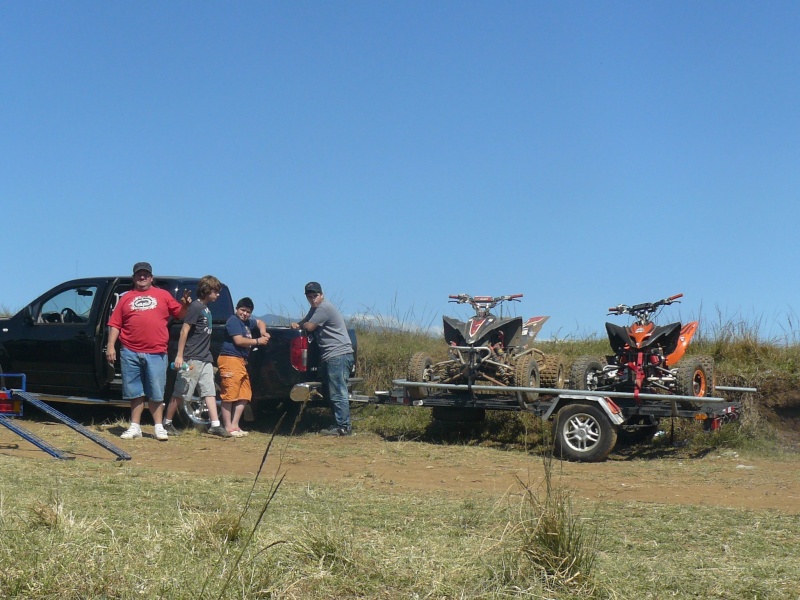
x: 12, y: 401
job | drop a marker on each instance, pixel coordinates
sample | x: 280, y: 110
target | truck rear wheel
x: 419, y: 370
x: 583, y: 373
x: 194, y: 413
x: 582, y: 432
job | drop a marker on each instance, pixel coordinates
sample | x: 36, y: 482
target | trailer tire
x: 583, y: 433
x: 553, y: 371
x: 526, y: 374
x: 691, y: 378
x: 583, y: 373
x: 453, y: 414
x: 419, y: 370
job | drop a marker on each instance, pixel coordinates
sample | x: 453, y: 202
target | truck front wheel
x: 582, y: 432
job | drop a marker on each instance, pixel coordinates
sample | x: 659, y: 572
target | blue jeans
x: 335, y: 372
x: 143, y: 375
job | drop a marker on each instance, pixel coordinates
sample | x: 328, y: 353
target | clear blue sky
x: 584, y: 154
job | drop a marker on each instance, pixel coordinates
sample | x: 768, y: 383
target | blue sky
x: 584, y: 154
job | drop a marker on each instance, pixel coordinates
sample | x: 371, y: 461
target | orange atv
x: 647, y: 357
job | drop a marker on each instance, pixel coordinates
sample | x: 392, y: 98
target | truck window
x: 68, y: 306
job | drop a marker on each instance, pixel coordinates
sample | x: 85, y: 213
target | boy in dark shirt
x: 194, y: 349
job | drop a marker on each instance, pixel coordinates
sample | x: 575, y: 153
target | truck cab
x: 59, y: 340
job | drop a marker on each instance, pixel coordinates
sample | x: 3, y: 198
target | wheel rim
x: 195, y: 411
x: 699, y: 383
x: 581, y: 432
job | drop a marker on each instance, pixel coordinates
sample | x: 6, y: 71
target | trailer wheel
x: 583, y: 373
x: 526, y: 375
x: 691, y: 378
x: 419, y: 370
x: 583, y: 433
x: 553, y: 371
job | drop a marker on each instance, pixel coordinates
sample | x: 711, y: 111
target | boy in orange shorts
x: 232, y: 363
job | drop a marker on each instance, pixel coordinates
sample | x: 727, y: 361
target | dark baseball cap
x: 312, y: 287
x: 142, y: 266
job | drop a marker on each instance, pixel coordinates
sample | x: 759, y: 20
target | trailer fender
x: 611, y: 410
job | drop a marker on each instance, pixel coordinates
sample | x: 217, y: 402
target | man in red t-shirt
x: 140, y: 320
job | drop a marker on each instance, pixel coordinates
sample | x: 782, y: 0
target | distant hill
x: 275, y: 320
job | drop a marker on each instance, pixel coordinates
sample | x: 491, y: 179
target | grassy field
x: 88, y: 529
x: 107, y: 530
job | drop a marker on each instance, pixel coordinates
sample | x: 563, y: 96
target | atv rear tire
x: 419, y: 370
x: 711, y: 373
x: 553, y: 371
x: 691, y: 378
x: 583, y: 373
x: 583, y: 432
x: 526, y: 375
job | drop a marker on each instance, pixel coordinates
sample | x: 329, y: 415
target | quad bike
x: 648, y: 358
x: 489, y: 350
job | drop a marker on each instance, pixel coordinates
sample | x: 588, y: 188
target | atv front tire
x: 526, y: 375
x: 419, y: 370
x: 584, y: 372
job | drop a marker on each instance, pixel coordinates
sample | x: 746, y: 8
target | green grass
x: 107, y: 530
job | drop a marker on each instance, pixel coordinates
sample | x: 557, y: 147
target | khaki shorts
x: 200, y: 377
x: 233, y: 379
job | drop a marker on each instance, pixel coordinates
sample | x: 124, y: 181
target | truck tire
x: 419, y: 370
x: 583, y: 373
x: 452, y: 414
x: 583, y: 433
x: 553, y: 371
x: 194, y: 413
x: 526, y: 374
x: 691, y: 378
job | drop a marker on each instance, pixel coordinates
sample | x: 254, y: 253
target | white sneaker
x: 161, y: 433
x: 134, y: 431
x: 238, y: 433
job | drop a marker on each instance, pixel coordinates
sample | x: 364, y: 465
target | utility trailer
x: 586, y: 423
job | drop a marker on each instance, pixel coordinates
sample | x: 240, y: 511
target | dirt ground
x: 719, y: 478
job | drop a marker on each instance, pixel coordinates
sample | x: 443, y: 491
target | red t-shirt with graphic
x: 142, y: 316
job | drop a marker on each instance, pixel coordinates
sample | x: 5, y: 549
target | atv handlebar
x: 644, y: 310
x: 483, y: 303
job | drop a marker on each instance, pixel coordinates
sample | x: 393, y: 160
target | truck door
x: 57, y: 344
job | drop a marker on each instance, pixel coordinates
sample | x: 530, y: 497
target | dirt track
x: 717, y: 479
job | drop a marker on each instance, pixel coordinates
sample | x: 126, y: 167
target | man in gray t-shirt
x: 336, y: 353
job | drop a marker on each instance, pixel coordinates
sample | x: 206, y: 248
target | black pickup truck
x: 58, y: 342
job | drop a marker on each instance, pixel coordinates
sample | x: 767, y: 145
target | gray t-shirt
x: 198, y: 343
x: 331, y: 332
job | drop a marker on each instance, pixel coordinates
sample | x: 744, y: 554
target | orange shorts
x: 234, y: 381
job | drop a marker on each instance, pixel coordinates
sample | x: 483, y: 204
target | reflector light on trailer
x: 613, y: 407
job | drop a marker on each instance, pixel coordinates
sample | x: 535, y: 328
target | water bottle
x: 184, y: 367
